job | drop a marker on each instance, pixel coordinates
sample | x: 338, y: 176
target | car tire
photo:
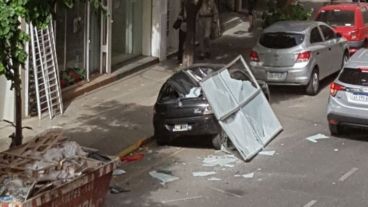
x: 313, y: 85
x: 335, y: 130
x: 218, y: 140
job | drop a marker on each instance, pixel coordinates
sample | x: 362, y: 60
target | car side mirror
x: 338, y: 35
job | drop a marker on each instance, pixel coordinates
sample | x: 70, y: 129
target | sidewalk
x: 110, y: 118
x: 119, y: 115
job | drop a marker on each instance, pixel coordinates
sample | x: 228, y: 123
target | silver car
x: 348, y: 102
x: 298, y: 53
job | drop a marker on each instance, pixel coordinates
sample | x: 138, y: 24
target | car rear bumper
x: 294, y: 75
x: 340, y: 114
x: 356, y: 44
x: 200, y: 125
x: 347, y: 120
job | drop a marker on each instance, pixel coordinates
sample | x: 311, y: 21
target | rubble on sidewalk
x: 163, y: 177
x: 219, y: 160
x: 203, y: 174
x: 43, y: 164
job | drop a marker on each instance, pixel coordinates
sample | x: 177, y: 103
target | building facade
x: 93, y: 43
x: 90, y: 43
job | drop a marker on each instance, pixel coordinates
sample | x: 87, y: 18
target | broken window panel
x: 241, y: 109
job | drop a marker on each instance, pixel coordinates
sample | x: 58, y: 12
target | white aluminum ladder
x: 46, y: 73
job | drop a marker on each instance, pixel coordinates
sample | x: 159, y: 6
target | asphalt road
x: 331, y: 172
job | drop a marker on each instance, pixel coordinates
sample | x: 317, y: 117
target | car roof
x: 291, y: 26
x: 347, y: 6
x: 359, y: 59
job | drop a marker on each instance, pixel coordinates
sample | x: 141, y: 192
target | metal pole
x: 35, y: 71
x: 88, y: 41
x: 26, y: 83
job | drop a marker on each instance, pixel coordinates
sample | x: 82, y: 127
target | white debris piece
x: 314, y: 138
x: 249, y: 175
x: 222, y: 161
x: 118, y: 172
x: 163, y: 177
x: 203, y: 174
x: 336, y: 150
x: 194, y: 92
x: 53, y: 154
x: 214, y: 179
x: 268, y: 153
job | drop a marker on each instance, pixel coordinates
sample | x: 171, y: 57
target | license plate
x: 181, y: 128
x: 276, y: 76
x: 358, y: 98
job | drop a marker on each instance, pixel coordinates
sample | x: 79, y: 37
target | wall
x: 172, y: 34
x: 159, y: 26
x: 7, y: 100
x: 147, y: 27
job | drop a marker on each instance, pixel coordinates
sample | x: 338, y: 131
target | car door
x: 334, y: 50
x: 337, y: 47
x: 364, y: 11
x: 318, y: 49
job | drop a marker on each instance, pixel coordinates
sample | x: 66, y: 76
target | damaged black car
x: 181, y: 109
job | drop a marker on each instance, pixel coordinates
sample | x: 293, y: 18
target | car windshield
x: 354, y: 76
x: 336, y: 17
x: 281, y: 40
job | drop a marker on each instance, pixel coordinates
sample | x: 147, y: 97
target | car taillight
x: 334, y: 88
x: 303, y: 56
x: 254, y: 56
x: 353, y: 34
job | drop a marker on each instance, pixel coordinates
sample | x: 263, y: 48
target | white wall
x: 147, y: 27
x: 159, y: 26
x: 173, y: 35
x: 6, y: 100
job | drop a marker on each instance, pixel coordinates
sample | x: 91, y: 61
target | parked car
x: 348, y: 101
x: 298, y: 53
x: 350, y: 20
x: 182, y: 110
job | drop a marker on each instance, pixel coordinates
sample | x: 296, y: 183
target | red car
x: 350, y: 20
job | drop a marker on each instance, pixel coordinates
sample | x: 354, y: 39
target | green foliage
x: 289, y: 12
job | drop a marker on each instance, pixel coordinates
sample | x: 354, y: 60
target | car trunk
x: 355, y: 92
x: 342, y: 20
x: 279, y: 49
x: 180, y: 108
x: 346, y: 31
x: 278, y: 58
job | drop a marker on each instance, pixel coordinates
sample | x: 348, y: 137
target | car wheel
x: 313, y: 85
x: 219, y: 139
x: 335, y: 129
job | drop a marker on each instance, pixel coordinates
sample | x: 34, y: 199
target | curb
x: 134, y: 147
